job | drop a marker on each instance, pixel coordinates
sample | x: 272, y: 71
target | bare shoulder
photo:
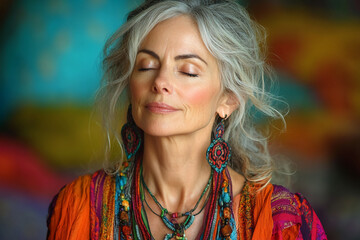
x: 238, y: 181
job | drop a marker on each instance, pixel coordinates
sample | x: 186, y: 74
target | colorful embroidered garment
x: 86, y: 209
x: 293, y: 216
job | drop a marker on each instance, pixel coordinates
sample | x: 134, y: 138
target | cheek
x: 203, y: 97
x: 136, y: 91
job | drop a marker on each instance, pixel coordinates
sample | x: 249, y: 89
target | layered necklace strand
x: 131, y: 219
x: 177, y: 228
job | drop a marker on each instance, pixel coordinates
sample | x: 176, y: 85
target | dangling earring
x: 219, y: 152
x: 131, y: 136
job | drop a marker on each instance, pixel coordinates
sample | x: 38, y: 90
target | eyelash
x: 190, y: 74
x: 185, y: 73
x: 145, y: 69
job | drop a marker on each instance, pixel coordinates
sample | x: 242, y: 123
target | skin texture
x: 174, y: 67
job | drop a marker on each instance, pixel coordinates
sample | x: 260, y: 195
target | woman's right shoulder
x: 69, y: 211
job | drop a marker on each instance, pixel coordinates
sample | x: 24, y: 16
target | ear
x: 227, y: 104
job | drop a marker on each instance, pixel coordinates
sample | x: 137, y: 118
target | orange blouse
x: 258, y: 214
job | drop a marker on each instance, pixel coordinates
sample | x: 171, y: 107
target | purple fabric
x: 96, y: 197
x: 290, y: 209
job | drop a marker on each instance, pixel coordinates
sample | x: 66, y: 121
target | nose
x: 162, y: 83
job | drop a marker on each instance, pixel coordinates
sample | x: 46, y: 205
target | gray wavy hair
x: 234, y: 40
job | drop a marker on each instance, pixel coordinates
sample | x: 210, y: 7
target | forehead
x: 178, y: 35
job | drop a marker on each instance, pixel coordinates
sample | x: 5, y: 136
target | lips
x: 157, y: 107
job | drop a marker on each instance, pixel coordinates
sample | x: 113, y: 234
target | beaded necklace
x: 177, y: 228
x: 130, y: 215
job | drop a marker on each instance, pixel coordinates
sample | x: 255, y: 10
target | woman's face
x: 175, y: 85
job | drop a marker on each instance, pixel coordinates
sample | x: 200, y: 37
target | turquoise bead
x: 226, y: 197
x: 123, y: 181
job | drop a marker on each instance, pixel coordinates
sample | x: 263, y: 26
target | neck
x: 175, y: 169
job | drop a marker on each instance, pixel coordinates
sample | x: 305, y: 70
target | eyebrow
x: 179, y: 57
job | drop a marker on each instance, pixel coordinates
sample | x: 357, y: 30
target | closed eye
x: 145, y: 69
x: 190, y: 74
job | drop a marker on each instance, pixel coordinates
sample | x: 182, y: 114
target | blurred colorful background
x: 50, y: 69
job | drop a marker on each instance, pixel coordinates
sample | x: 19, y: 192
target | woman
x: 191, y: 71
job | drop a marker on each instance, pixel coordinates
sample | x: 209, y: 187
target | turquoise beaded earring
x: 131, y: 135
x: 219, y: 152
